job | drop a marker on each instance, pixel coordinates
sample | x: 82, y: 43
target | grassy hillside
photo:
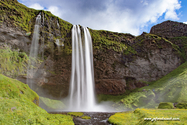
x: 137, y: 117
x: 170, y: 88
x: 17, y: 107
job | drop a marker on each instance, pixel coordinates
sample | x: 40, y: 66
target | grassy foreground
x: 17, y: 107
x: 137, y: 117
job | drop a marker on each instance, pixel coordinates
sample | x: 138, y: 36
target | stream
x: 97, y: 118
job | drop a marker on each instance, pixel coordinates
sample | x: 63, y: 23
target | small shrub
x: 165, y: 105
x: 182, y: 105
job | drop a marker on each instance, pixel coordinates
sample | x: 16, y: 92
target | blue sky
x: 125, y: 16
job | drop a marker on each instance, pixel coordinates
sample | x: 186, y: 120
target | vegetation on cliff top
x: 151, y: 41
x: 17, y: 107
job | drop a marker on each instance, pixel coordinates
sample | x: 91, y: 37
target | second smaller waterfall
x: 33, y: 51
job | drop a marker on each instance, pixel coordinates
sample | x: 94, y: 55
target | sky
x: 124, y: 16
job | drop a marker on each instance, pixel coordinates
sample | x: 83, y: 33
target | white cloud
x: 36, y: 6
x: 55, y: 10
x: 185, y: 22
x: 172, y: 5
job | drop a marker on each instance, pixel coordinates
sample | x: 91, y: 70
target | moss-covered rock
x: 165, y: 105
x: 86, y: 117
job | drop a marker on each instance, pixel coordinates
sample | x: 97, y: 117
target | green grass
x: 171, y: 88
x: 77, y: 114
x: 17, y: 107
x: 137, y: 117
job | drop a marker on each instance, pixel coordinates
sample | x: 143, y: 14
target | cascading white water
x: 58, y: 44
x: 58, y: 25
x: 43, y: 18
x: 33, y: 51
x: 82, y: 96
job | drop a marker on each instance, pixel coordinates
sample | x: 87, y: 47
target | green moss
x: 17, y: 107
x: 86, y: 117
x: 165, y: 105
x: 77, y: 114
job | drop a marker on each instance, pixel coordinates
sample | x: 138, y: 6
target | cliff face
x: 148, y: 58
x: 121, y: 61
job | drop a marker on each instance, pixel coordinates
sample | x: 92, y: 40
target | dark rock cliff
x: 121, y: 61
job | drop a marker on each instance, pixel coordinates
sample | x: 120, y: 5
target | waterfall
x: 82, y: 96
x: 58, y: 25
x: 33, y: 51
x: 43, y: 19
x: 58, y: 44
